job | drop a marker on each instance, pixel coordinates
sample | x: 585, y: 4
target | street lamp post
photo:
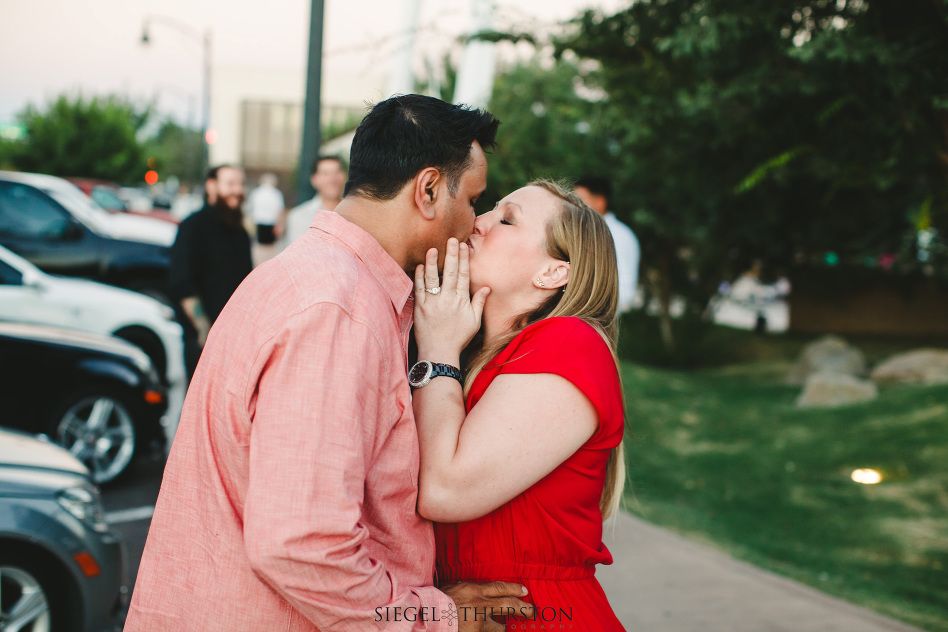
x: 205, y: 39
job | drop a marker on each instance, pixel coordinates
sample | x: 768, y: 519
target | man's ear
x: 426, y: 191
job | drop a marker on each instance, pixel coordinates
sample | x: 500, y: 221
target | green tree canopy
x: 548, y: 130
x: 93, y: 138
x: 774, y: 130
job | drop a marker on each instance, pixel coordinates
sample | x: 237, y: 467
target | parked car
x: 115, y: 199
x: 52, y: 224
x: 61, y: 568
x: 104, y: 193
x: 97, y: 396
x: 28, y: 295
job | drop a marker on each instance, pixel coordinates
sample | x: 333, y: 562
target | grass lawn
x: 723, y: 456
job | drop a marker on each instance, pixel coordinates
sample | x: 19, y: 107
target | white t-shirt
x: 628, y: 255
x: 299, y: 219
x: 266, y: 204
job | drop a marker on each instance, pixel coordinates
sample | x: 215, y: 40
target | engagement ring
x: 432, y: 290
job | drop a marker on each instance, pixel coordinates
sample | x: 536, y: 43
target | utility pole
x: 309, y: 148
x: 205, y: 39
x: 475, y: 80
x: 402, y: 78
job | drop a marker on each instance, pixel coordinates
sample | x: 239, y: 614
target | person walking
x: 209, y: 258
x: 328, y: 177
x: 596, y: 192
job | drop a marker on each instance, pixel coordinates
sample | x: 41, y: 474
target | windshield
x: 107, y: 199
x: 81, y: 206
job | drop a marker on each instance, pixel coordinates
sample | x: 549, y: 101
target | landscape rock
x: 922, y: 366
x: 828, y: 390
x: 829, y: 354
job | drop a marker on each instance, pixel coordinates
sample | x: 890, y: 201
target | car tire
x: 150, y: 343
x: 97, y: 427
x: 33, y: 594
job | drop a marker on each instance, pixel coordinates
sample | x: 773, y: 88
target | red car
x: 107, y: 195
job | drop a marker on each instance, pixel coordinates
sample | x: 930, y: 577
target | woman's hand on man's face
x: 446, y: 321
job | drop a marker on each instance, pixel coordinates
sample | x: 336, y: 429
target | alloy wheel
x: 23, y: 603
x: 98, y: 430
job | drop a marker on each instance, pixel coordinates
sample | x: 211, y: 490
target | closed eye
x: 503, y: 221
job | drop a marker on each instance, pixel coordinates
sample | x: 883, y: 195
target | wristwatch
x: 424, y: 371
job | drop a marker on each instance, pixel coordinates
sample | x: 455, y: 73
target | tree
x: 176, y: 151
x: 94, y: 138
x: 549, y: 130
x: 772, y: 130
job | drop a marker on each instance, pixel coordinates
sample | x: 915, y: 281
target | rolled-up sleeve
x: 316, y: 422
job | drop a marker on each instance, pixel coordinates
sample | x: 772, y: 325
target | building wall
x: 232, y: 88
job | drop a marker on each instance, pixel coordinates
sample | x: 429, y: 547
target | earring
x: 539, y: 282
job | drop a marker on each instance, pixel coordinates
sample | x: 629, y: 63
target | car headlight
x: 85, y: 505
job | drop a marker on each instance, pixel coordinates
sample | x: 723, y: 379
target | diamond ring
x: 432, y: 290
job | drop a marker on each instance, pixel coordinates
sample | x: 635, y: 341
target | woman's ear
x: 425, y: 192
x: 554, y: 276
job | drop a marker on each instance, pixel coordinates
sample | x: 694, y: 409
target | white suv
x: 29, y: 295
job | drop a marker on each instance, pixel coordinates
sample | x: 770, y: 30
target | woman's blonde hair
x: 579, y: 235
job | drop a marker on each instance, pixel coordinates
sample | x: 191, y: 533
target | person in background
x: 328, y: 177
x: 596, y: 192
x: 266, y: 209
x: 209, y: 259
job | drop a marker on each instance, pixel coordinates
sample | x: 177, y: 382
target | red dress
x: 549, y: 538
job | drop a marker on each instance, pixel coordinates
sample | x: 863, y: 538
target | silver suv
x: 61, y: 568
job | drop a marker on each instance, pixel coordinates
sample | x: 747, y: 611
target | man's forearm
x: 195, y: 312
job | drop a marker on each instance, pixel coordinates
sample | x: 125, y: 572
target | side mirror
x: 33, y: 281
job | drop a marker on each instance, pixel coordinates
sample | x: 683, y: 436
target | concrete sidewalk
x: 662, y: 582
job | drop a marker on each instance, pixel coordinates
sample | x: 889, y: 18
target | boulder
x: 826, y: 389
x: 922, y: 366
x: 829, y: 354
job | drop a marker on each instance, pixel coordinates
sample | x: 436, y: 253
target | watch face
x: 419, y: 372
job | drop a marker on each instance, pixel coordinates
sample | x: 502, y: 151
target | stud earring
x: 539, y: 282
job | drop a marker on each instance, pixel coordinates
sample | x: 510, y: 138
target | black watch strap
x: 446, y: 370
x: 424, y: 371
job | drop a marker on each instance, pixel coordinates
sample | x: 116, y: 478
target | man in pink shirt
x: 288, y: 500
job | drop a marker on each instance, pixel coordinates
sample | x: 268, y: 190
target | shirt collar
x: 367, y: 249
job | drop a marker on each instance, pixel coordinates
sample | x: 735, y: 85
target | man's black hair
x: 597, y: 185
x: 213, y: 171
x: 405, y: 134
x: 319, y: 159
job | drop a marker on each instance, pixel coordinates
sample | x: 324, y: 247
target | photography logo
x: 450, y: 614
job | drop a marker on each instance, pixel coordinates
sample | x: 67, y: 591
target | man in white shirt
x: 596, y: 191
x: 266, y: 208
x: 328, y: 177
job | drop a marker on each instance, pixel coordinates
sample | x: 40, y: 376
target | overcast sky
x: 48, y: 47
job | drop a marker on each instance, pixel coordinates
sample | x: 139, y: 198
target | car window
x: 107, y: 199
x: 25, y: 212
x: 10, y: 275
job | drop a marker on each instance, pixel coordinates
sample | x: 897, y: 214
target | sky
x: 92, y: 47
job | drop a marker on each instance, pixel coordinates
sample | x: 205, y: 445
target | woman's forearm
x: 439, y: 414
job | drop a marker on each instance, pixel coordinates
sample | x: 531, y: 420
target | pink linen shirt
x: 288, y: 500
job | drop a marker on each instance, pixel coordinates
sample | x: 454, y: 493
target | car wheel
x: 97, y: 428
x: 31, y: 599
x: 148, y: 342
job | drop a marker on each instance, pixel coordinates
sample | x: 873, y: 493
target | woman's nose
x: 481, y: 222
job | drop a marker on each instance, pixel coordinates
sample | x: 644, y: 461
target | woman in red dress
x: 520, y: 468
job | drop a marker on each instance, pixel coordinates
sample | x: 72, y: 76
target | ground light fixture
x: 866, y: 476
